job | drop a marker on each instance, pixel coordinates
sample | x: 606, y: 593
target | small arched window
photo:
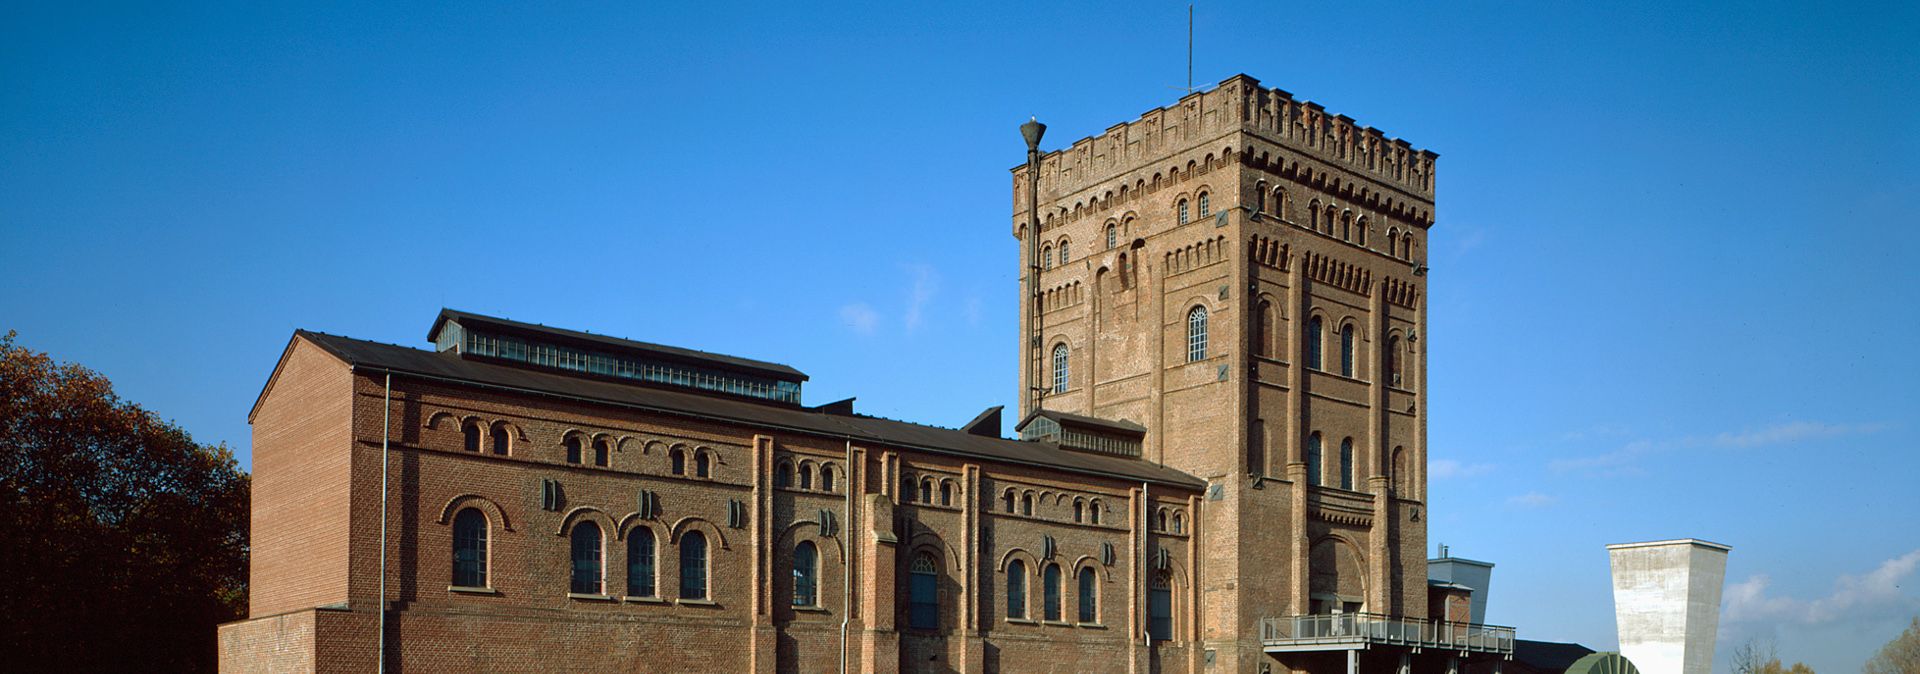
x: 806, y: 560
x: 601, y: 452
x: 1315, y: 328
x: 1026, y: 504
x: 1079, y: 510
x: 1050, y: 592
x: 1393, y: 242
x: 588, y: 573
x: 1313, y: 459
x: 502, y: 438
x: 470, y: 437
x: 1113, y: 236
x: 1006, y: 499
x: 1406, y: 246
x: 1060, y: 368
x: 573, y: 448
x: 640, y: 563
x: 806, y: 475
x: 1093, y: 512
x: 470, y: 548
x: 1280, y: 203
x: 1160, y: 520
x: 1313, y: 214
x: 1346, y: 463
x: 1179, y: 523
x: 1393, y: 360
x: 1196, y: 334
x: 1360, y: 230
x: 826, y: 477
x: 1346, y: 226
x: 1089, y: 596
x: 1063, y: 253
x: 693, y: 565
x: 1183, y: 211
x: 923, y: 593
x: 1046, y: 257
x: 1346, y: 350
x: 1016, y: 590
x: 703, y: 463
x: 1205, y: 205
x: 1160, y: 608
x: 1260, y: 197
x: 677, y: 461
x: 946, y: 493
x: 926, y: 490
x: 783, y: 474
x: 1263, y: 330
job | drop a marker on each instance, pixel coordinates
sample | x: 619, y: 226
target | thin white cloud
x: 1445, y: 469
x: 860, y: 318
x: 1873, y: 596
x: 1791, y: 432
x: 926, y: 282
x: 1625, y: 460
x: 1532, y: 499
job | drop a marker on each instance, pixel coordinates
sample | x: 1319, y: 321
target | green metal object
x: 1603, y: 663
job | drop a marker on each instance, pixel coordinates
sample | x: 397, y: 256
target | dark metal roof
x: 1548, y: 656
x: 672, y: 353
x: 452, y: 367
x: 1071, y: 419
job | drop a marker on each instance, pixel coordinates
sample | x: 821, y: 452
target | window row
x: 1085, y: 511
x: 1264, y: 345
x: 1203, y: 200
x: 789, y: 475
x: 929, y: 490
x: 1047, y: 252
x: 577, y: 446
x: 1052, y: 599
x: 472, y: 555
x: 1316, y: 463
x: 1170, y: 520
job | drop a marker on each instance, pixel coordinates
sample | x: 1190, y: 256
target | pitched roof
x: 1548, y: 656
x: 467, y: 318
x: 1072, y: 419
x: 452, y: 367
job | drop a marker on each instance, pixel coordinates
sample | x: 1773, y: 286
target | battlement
x: 1207, y: 118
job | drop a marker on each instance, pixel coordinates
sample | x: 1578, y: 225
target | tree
x: 1900, y: 656
x: 122, y: 541
x: 1759, y: 657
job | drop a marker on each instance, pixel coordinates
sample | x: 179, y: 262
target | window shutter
x: 550, y: 496
x: 828, y: 526
x: 736, y: 514
x: 646, y: 504
x: 1048, y: 547
x: 1161, y: 559
x: 1106, y: 553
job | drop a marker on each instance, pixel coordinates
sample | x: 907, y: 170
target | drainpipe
x: 386, y: 423
x: 846, y: 561
x: 1146, y: 560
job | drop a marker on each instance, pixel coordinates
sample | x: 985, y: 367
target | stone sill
x: 1022, y: 621
x: 697, y: 602
x: 589, y: 597
x: 1093, y: 626
x: 643, y: 600
x: 810, y: 609
x: 462, y: 589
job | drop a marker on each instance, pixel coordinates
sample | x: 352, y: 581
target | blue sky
x: 1672, y: 272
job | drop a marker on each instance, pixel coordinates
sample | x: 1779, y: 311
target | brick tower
x: 1241, y: 273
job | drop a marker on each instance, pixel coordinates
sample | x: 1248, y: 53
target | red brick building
x: 1224, y: 470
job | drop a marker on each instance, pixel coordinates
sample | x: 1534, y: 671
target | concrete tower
x: 1666, y: 602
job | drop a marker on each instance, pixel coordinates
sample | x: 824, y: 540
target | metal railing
x: 1372, y: 628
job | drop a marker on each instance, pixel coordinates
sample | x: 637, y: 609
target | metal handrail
x: 1382, y: 629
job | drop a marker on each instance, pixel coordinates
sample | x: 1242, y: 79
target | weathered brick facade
x: 1214, y: 506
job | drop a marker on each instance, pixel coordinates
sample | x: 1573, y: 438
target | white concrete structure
x: 1476, y: 575
x: 1666, y: 602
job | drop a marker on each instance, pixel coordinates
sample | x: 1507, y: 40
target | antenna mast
x: 1189, y: 48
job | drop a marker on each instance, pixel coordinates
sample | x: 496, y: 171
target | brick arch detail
x: 788, y: 538
x: 706, y: 526
x: 586, y: 512
x: 486, y: 505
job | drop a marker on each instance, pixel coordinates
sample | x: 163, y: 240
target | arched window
x: 588, y: 574
x: 1197, y: 334
x: 1346, y: 350
x: 1313, y: 214
x: 926, y: 490
x: 1314, y: 338
x: 1205, y: 207
x: 1360, y: 230
x: 470, y: 548
x: 1393, y: 242
x: 1406, y: 246
x: 1183, y: 211
x: 1313, y: 459
x: 1063, y: 253
x: 1260, y: 197
x: 702, y: 464
x: 1089, y: 596
x: 1393, y: 360
x: 677, y: 460
x: 1263, y: 330
x: 923, y: 593
x: 640, y: 563
x: 1113, y: 236
x: 693, y: 565
x: 1280, y: 204
x: 806, y: 475
x: 1079, y: 510
x: 470, y: 437
x: 1160, y: 608
x: 1160, y: 520
x: 1093, y: 512
x: 1346, y: 226
x: 826, y: 477
x: 1016, y: 590
x: 1046, y: 257
x: 783, y: 474
x: 1179, y: 523
x: 1007, y: 500
x: 907, y: 488
x: 1026, y: 504
x: 1050, y: 592
x: 1346, y: 463
x: 946, y: 493
x: 1060, y: 368
x: 573, y: 449
x: 600, y: 452
x: 502, y: 438
x: 1329, y: 219
x: 806, y: 559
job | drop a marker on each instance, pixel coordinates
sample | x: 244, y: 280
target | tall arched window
x: 1026, y: 504
x: 1113, y: 237
x: 1260, y: 197
x: 806, y: 560
x: 1346, y: 350
x: 826, y: 477
x: 1393, y: 242
x: 600, y: 452
x: 1313, y: 214
x: 1160, y: 608
x: 1060, y: 368
x: 640, y: 563
x: 1393, y: 360
x: 470, y: 437
x: 702, y: 464
x: 1179, y: 523
x: 1007, y: 500
x: 1315, y: 328
x: 1197, y: 334
x: 1079, y: 510
x: 1050, y: 593
x: 470, y: 548
x: 923, y: 593
x: 1314, y: 463
x: 1360, y: 230
x: 573, y: 449
x: 693, y: 565
x: 1093, y: 512
x: 502, y: 438
x: 946, y: 493
x: 1046, y: 257
x: 783, y: 474
x: 677, y: 461
x: 1089, y: 596
x: 588, y: 573
x: 1063, y: 253
x: 1016, y: 590
x: 1346, y: 226
x: 1160, y: 520
x: 1346, y: 463
x: 1280, y: 203
x: 926, y: 490
x: 1263, y: 329
x: 806, y: 475
x: 1206, y: 207
x: 1183, y: 211
x: 1406, y: 246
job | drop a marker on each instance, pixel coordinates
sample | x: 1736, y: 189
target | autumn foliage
x: 122, y: 541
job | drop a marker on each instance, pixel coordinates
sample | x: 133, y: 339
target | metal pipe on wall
x: 386, y: 424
